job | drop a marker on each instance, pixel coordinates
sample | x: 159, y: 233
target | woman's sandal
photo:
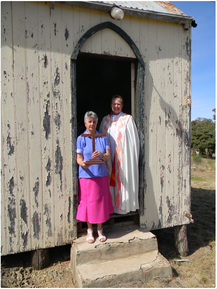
x: 102, y: 238
x: 90, y: 239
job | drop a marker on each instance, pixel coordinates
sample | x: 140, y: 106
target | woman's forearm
x: 105, y: 157
x: 81, y: 162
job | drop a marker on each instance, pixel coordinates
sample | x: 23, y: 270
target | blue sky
x: 202, y: 56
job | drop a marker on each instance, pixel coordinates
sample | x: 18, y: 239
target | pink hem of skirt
x: 95, y: 202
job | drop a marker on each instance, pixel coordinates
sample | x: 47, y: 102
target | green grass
x: 202, y: 163
x: 204, y: 279
x: 198, y: 179
x: 211, y: 164
x: 197, y: 159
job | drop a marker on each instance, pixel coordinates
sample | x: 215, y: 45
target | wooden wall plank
x: 162, y: 105
x: 95, y: 40
x: 47, y: 151
x: 76, y: 25
x: 152, y: 213
x: 85, y: 18
x: 9, y: 207
x: 20, y: 94
x: 185, y: 117
x: 135, y: 30
x: 34, y: 124
x: 67, y: 46
x: 144, y: 40
x: 176, y: 120
x: 58, y: 120
x: 170, y: 196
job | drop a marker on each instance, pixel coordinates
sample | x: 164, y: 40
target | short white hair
x: 89, y: 114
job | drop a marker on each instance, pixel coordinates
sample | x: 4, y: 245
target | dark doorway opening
x: 98, y: 79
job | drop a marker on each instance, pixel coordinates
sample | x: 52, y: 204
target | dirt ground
x: 196, y: 270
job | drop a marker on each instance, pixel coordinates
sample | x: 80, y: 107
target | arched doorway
x: 81, y: 64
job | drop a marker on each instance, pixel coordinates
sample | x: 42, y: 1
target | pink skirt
x: 94, y: 202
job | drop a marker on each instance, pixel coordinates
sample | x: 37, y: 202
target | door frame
x: 138, y: 107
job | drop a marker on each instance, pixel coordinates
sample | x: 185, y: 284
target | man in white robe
x: 123, y: 169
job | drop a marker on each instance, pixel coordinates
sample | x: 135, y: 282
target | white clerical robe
x: 124, y: 143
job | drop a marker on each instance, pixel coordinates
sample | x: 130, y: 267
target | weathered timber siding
x: 167, y: 124
x: 37, y: 208
x: 37, y: 157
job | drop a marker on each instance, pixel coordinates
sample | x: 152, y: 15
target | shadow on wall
x: 166, y: 174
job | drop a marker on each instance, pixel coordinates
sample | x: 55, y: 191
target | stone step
x: 119, y: 243
x: 128, y: 255
x: 117, y: 273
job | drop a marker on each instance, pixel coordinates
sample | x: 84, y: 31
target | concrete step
x: 142, y: 267
x: 128, y: 255
x: 119, y: 243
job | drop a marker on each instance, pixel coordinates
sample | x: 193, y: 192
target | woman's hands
x: 104, y: 157
x: 97, y: 154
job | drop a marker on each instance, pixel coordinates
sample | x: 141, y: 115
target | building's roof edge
x: 169, y: 17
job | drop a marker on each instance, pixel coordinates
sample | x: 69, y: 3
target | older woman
x: 123, y: 164
x: 95, y: 204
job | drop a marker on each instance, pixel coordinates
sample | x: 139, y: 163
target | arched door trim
x: 139, y: 106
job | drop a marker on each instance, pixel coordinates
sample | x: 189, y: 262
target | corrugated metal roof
x: 148, y: 6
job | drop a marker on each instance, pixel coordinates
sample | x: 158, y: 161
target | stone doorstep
x: 140, y: 267
x: 118, y: 244
x: 127, y: 255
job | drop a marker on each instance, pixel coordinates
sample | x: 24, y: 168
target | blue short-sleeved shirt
x: 84, y: 146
